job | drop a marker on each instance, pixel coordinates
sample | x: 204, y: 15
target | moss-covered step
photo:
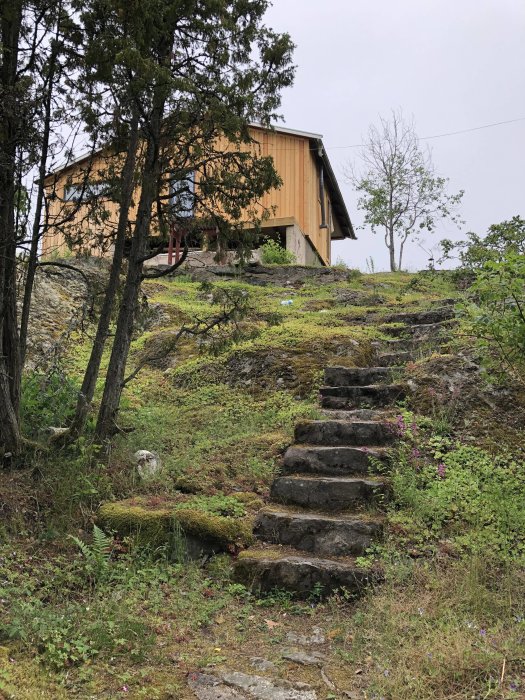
x: 157, y: 522
x: 356, y: 376
x: 340, y: 433
x: 424, y: 331
x: 341, y: 397
x: 336, y: 493
x: 266, y: 567
x: 396, y: 359
x: 316, y: 532
x: 332, y: 461
x: 422, y: 317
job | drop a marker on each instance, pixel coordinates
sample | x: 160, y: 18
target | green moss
x: 262, y: 554
x: 221, y: 530
x: 249, y: 499
x: 149, y: 525
x: 155, y: 524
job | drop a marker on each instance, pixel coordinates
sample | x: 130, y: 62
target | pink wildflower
x: 441, y: 469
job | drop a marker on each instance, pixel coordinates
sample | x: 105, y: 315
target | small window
x: 182, y: 196
x: 82, y: 191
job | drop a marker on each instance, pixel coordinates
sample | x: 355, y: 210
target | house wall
x: 297, y: 199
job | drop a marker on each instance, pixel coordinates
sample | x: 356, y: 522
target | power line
x: 439, y: 136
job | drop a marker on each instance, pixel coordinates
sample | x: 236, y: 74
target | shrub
x: 274, y: 254
x: 496, y: 314
x: 47, y: 399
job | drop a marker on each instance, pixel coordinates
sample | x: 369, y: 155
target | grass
x: 445, y: 624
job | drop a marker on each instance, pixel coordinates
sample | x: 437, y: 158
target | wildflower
x: 483, y: 632
x: 441, y: 469
x: 416, y: 454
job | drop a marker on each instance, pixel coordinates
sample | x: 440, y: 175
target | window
x: 85, y: 191
x: 182, y: 196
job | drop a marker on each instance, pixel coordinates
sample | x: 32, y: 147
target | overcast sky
x: 451, y: 64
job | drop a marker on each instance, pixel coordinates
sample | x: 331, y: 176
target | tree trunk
x: 10, y: 370
x: 36, y: 233
x: 87, y: 390
x: 391, y: 250
x: 106, y: 422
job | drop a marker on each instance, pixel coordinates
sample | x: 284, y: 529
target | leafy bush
x: 274, y: 254
x: 495, y: 314
x: 47, y: 399
x: 502, y: 239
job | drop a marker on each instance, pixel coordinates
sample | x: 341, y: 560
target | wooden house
x: 306, y: 213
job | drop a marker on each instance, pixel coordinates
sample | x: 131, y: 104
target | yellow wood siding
x: 296, y: 200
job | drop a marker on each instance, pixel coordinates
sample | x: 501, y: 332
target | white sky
x: 451, y: 65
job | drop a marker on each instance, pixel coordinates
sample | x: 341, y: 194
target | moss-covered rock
x: 155, y: 524
x: 134, y: 517
x: 220, y: 530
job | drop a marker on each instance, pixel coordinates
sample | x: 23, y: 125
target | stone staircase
x: 325, y: 505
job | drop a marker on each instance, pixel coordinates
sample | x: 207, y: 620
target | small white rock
x: 148, y: 464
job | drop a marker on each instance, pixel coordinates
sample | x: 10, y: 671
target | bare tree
x: 399, y: 190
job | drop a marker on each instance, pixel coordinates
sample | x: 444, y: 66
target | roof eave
x: 338, y: 202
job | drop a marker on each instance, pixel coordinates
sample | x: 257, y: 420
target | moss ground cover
x: 447, y: 623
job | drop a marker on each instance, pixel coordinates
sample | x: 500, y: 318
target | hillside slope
x: 143, y: 622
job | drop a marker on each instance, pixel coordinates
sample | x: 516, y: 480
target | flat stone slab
x: 207, y: 687
x: 356, y: 376
x: 341, y: 397
x: 264, y: 570
x: 323, y: 535
x: 317, y: 637
x: 331, y: 461
x: 396, y: 359
x: 321, y: 492
x: 356, y: 414
x: 341, y: 433
x: 422, y: 317
x: 260, y: 688
x: 260, y: 664
x: 313, y: 658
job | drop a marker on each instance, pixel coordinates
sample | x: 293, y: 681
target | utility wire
x: 439, y: 136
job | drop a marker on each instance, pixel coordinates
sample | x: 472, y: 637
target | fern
x: 97, y: 554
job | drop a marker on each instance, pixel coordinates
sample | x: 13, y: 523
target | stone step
x: 356, y: 414
x: 396, y: 359
x: 342, y: 397
x: 396, y: 344
x: 356, y: 376
x: 419, y: 331
x: 264, y: 568
x: 340, y: 432
x: 334, y: 492
x: 427, y: 316
x: 320, y: 534
x: 332, y: 461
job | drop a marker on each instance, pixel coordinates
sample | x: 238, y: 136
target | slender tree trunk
x: 106, y: 422
x: 87, y: 390
x: 10, y: 371
x: 36, y: 232
x: 391, y: 250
